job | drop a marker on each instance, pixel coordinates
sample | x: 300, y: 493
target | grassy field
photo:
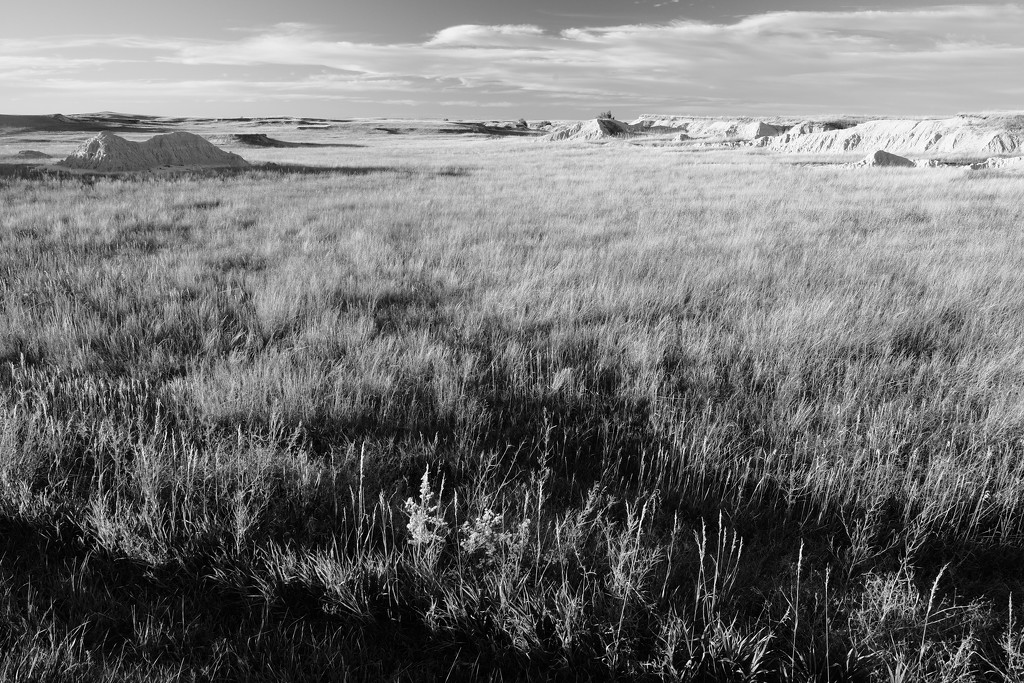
x: 498, y: 409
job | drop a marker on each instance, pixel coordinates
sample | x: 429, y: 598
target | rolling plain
x: 425, y: 401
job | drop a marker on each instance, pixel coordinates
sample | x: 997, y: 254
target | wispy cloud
x: 472, y: 35
x: 936, y: 59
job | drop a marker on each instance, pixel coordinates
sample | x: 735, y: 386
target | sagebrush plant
x: 489, y: 409
x: 486, y: 538
x: 427, y: 526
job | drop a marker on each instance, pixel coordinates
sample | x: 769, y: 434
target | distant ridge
x: 84, y: 123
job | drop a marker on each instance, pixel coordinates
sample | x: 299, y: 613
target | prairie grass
x: 497, y: 410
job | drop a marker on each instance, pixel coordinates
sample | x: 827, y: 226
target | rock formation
x: 958, y: 135
x: 111, y: 153
x: 594, y: 129
x: 882, y: 158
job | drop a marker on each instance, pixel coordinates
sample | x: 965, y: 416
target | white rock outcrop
x: 999, y: 162
x: 711, y: 128
x: 594, y: 129
x: 958, y: 135
x: 882, y: 158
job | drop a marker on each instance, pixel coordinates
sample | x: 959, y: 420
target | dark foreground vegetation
x: 434, y: 426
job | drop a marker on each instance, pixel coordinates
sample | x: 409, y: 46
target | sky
x: 551, y: 59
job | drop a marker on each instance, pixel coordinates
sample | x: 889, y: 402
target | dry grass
x: 697, y: 415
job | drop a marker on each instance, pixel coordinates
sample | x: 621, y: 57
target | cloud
x: 931, y: 60
x: 473, y: 35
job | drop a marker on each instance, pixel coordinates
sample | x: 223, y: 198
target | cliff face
x: 958, y: 135
x: 966, y: 134
x: 697, y: 127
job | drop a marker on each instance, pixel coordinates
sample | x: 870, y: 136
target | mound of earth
x: 594, y: 129
x: 758, y: 129
x: 958, y: 135
x: 883, y: 158
x: 110, y: 153
x: 32, y: 154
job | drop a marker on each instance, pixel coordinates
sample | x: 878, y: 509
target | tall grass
x: 697, y: 417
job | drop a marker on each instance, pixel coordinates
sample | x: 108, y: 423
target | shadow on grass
x: 134, y: 614
x: 28, y: 171
x: 233, y: 614
x: 261, y: 140
x: 303, y: 169
x: 10, y: 172
x: 463, y: 128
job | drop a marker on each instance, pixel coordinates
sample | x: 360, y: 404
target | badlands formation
x: 106, y: 152
x: 594, y: 129
x: 979, y: 141
x: 959, y: 136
